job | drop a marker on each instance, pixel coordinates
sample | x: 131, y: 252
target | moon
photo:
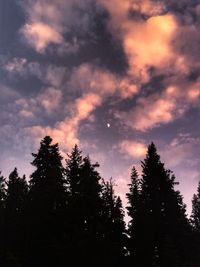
x: 108, y: 125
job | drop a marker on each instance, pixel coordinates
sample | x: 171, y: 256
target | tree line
x: 70, y: 216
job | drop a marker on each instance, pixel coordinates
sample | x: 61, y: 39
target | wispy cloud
x: 66, y: 132
x: 49, y: 22
x: 132, y: 148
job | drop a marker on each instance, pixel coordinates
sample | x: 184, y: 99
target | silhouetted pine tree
x: 90, y: 212
x: 164, y: 224
x: 17, y: 190
x: 73, y: 178
x: 114, y: 225
x: 74, y: 224
x: 74, y: 163
x: 2, y: 192
x: 90, y: 190
x: 195, y: 216
x: 135, y: 214
x: 195, y: 222
x: 68, y: 217
x: 47, y: 206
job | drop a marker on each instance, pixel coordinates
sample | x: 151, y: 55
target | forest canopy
x: 68, y: 215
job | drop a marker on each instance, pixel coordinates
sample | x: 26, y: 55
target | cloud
x: 50, y: 22
x: 40, y: 35
x: 160, y: 108
x: 66, y: 132
x: 146, y: 42
x: 132, y: 148
x: 50, y: 99
x: 90, y: 78
x: 47, y: 102
x: 147, y: 7
x: 24, y: 113
x: 148, y: 112
x: 181, y: 150
x: 156, y: 43
x: 16, y: 65
x: 48, y: 74
x: 7, y: 94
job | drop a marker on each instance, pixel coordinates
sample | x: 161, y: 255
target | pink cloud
x: 158, y: 109
x: 66, y: 132
x: 132, y: 148
x: 49, y: 21
x: 50, y: 99
x: 146, y: 42
x: 148, y: 112
x: 90, y: 78
x: 39, y: 35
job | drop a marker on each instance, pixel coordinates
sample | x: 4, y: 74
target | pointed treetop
x: 134, y: 173
x: 152, y: 151
x: 14, y: 175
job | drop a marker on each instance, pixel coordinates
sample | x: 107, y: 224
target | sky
x: 111, y: 76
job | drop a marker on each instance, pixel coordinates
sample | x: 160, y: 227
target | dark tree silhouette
x: 195, y: 216
x: 72, y: 217
x: 195, y: 222
x: 90, y: 192
x: 89, y: 211
x: 74, y: 163
x: 114, y: 225
x: 47, y: 206
x: 17, y: 189
x: 73, y: 178
x: 135, y: 213
x: 2, y: 192
x: 74, y: 225
x: 164, y: 224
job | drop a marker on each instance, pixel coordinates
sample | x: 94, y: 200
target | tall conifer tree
x: 135, y: 213
x: 47, y: 205
x: 114, y: 225
x: 195, y: 222
x: 164, y: 224
x: 17, y: 189
x: 195, y: 216
x: 90, y: 212
x: 74, y: 163
x: 113, y: 212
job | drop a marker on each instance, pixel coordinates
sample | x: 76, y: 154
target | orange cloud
x: 194, y: 92
x: 146, y: 42
x: 133, y: 149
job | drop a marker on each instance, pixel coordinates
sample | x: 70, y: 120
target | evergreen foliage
x: 72, y: 217
x: 195, y: 216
